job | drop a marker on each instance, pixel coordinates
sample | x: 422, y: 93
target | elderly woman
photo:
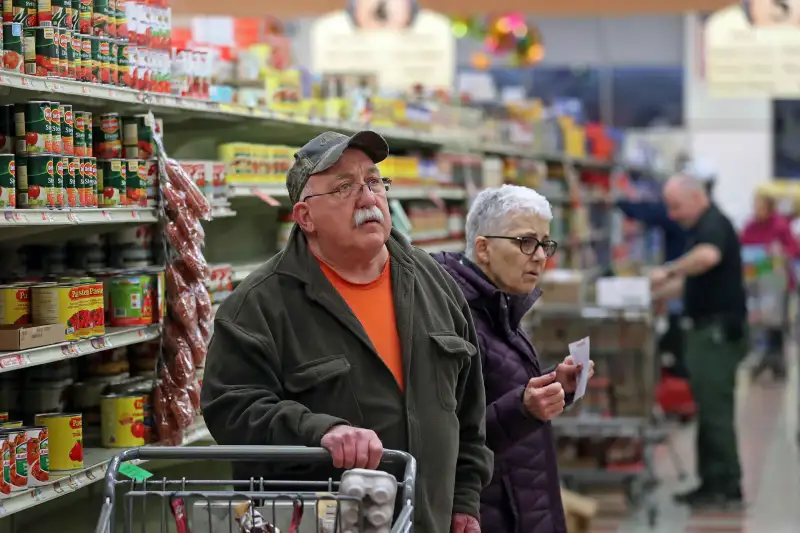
x: 508, y: 244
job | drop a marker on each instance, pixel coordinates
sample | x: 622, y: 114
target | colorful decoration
x: 502, y: 35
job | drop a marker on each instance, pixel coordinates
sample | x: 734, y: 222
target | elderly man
x: 353, y: 340
x: 710, y: 276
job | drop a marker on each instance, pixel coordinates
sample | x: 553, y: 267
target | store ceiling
x: 299, y: 8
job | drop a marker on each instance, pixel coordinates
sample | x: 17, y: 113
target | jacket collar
x: 505, y: 310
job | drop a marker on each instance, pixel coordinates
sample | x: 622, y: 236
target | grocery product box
x: 26, y: 337
x: 563, y: 286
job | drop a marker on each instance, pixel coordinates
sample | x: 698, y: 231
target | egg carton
x: 376, y: 492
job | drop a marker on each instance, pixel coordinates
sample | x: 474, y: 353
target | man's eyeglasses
x: 378, y: 187
x: 529, y: 245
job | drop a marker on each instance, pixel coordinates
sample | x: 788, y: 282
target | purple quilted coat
x: 524, y: 495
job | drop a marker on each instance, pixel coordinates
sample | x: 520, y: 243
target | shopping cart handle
x: 262, y: 454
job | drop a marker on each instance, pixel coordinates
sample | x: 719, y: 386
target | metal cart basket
x: 215, y: 506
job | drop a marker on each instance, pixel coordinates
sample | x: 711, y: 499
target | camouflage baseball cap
x: 323, y: 151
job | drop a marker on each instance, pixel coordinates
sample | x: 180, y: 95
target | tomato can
x: 62, y: 13
x: 56, y: 146
x: 5, y: 466
x: 101, y: 54
x: 85, y: 15
x: 18, y: 457
x: 70, y: 182
x: 126, y: 65
x: 103, y: 19
x: 8, y: 187
x: 122, y: 420
x: 81, y: 182
x: 113, y: 62
x: 65, y: 451
x: 137, y: 137
x: 21, y: 170
x: 66, y: 54
x: 111, y: 182
x: 15, y: 305
x: 109, y: 136
x: 58, y: 180
x: 32, y: 123
x: 87, y: 62
x: 121, y: 19
x: 40, y: 51
x: 41, y: 193
x: 21, y: 11
x: 151, y: 175
x: 44, y: 13
x: 3, y: 416
x: 74, y: 71
x: 89, y: 165
x: 38, y: 464
x: 13, y: 57
x: 136, y: 183
x: 67, y: 129
x: 81, y: 138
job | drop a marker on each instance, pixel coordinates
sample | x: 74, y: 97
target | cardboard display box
x: 26, y: 337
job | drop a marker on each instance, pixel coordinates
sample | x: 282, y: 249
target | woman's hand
x: 544, y: 397
x: 567, y: 374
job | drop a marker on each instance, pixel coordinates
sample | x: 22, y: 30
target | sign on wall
x: 395, y: 40
x: 752, y: 50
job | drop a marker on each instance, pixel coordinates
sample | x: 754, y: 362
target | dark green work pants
x: 712, y: 362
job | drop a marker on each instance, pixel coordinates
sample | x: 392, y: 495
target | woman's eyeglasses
x: 530, y: 245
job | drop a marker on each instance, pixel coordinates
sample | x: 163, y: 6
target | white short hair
x: 493, y: 207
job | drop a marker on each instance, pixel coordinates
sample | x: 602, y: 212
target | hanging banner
x: 752, y: 50
x: 393, y: 41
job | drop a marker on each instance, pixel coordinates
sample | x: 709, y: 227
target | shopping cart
x: 222, y: 506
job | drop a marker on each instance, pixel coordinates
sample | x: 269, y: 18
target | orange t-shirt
x: 373, y: 305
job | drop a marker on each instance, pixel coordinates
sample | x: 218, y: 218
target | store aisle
x: 768, y: 422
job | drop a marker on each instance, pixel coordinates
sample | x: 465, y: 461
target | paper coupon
x: 579, y: 350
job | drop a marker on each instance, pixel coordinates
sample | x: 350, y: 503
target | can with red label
x: 44, y: 13
x: 70, y: 181
x: 55, y: 128
x: 77, y: 163
x: 87, y: 63
x: 74, y: 67
x: 79, y: 136
x: 58, y: 181
x: 13, y: 56
x: 67, y: 130
x: 85, y: 11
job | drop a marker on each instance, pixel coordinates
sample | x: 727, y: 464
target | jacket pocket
x: 324, y: 386
x: 452, y: 353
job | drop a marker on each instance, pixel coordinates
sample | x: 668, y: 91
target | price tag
x: 85, y: 90
x: 74, y: 482
x: 105, y: 214
x: 25, y: 82
x: 135, y: 214
x: 2, y: 79
x: 2, y: 509
x: 58, y: 488
x: 99, y: 343
x: 437, y: 200
x: 56, y: 88
x: 9, y: 216
x: 47, y: 217
x: 74, y: 218
x: 36, y: 494
x: 111, y: 94
x: 11, y: 361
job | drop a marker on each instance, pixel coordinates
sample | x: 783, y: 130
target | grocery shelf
x: 96, y: 462
x: 114, y: 338
x: 400, y: 192
x: 242, y: 270
x: 71, y: 217
x: 222, y: 212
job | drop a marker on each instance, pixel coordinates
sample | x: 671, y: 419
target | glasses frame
x: 387, y: 183
x: 520, y: 240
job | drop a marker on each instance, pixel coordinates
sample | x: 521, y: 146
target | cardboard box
x: 563, y: 286
x: 27, y: 337
x: 578, y: 510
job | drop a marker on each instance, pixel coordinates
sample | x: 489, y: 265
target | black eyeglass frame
x: 520, y: 240
x: 387, y: 183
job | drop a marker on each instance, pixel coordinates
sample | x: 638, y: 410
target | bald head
x: 685, y: 198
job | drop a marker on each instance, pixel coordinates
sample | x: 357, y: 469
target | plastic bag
x: 196, y: 264
x: 181, y: 368
x: 173, y: 336
x: 194, y: 394
x: 169, y: 434
x: 183, y: 307
x: 181, y: 407
x: 195, y: 200
x: 206, y: 329
x: 174, y: 199
x: 176, y: 283
x: 198, y: 346
x: 187, y: 224
x: 205, y: 310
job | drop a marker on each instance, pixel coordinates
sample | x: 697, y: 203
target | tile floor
x: 768, y: 425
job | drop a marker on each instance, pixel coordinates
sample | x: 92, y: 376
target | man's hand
x: 353, y: 447
x: 544, y: 397
x: 464, y: 523
x: 567, y: 374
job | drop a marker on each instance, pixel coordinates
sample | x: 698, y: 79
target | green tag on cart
x: 134, y: 472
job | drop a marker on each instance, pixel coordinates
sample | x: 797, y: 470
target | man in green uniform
x: 710, y: 276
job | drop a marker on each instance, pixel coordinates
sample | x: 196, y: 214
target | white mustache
x: 367, y: 214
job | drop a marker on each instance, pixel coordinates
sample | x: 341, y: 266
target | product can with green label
x: 111, y: 186
x: 32, y: 122
x: 8, y: 181
x: 41, y: 182
x: 130, y: 300
x: 58, y: 180
x: 13, y: 56
x: 41, y: 54
x: 70, y: 181
x: 55, y: 128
